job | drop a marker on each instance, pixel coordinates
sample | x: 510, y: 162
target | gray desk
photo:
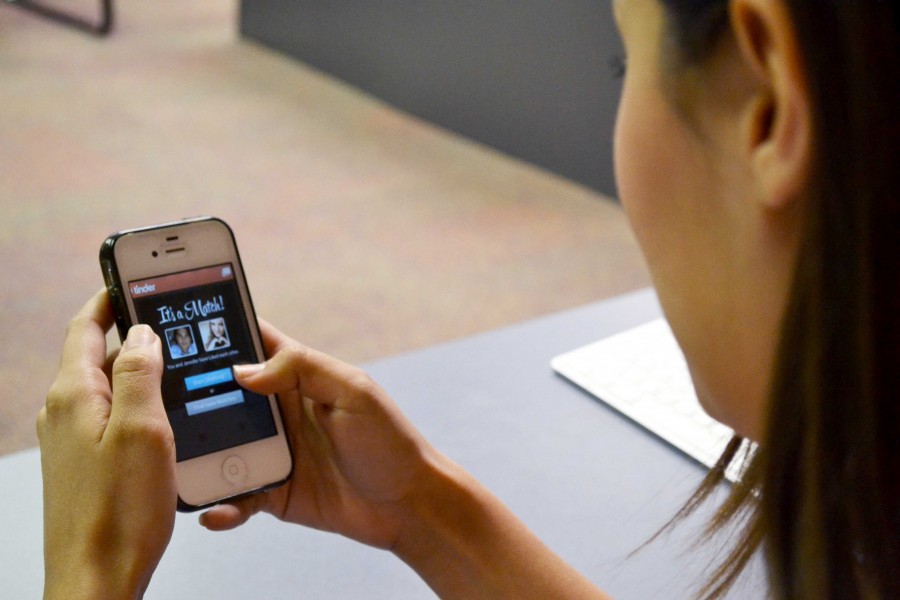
x: 590, y: 483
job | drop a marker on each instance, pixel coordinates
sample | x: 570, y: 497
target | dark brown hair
x: 823, y: 495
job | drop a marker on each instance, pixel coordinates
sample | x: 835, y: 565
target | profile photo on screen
x: 214, y: 334
x: 181, y: 341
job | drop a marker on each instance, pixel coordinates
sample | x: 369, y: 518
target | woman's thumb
x: 137, y: 376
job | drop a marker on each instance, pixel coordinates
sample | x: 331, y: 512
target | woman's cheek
x: 635, y: 150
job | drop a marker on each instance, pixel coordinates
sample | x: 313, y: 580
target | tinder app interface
x: 197, y: 315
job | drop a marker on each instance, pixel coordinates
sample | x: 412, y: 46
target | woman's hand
x: 108, y: 462
x: 358, y: 463
x: 362, y: 470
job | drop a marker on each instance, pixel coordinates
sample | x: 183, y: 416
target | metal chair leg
x: 100, y: 29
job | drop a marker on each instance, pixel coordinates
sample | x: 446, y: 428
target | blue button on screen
x: 214, y: 403
x: 210, y: 379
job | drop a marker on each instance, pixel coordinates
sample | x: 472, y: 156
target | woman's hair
x: 823, y: 494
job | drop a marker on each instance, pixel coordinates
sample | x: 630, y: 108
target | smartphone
x: 185, y: 280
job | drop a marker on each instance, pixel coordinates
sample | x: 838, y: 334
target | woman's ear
x: 776, y: 124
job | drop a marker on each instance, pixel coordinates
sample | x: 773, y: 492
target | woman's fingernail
x: 248, y: 370
x: 139, y: 336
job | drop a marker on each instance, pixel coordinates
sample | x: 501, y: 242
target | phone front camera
x: 155, y: 253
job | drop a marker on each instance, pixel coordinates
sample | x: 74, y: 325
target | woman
x: 217, y: 337
x: 755, y: 154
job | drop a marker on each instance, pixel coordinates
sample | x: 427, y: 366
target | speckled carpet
x: 364, y: 232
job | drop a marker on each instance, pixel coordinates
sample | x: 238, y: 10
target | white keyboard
x: 642, y: 373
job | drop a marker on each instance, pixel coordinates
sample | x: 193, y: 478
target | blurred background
x: 365, y: 231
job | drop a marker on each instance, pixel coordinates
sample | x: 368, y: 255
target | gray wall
x: 529, y: 77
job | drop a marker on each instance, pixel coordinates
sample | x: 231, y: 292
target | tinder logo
x: 137, y: 289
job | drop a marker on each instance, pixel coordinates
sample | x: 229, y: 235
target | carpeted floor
x: 364, y: 232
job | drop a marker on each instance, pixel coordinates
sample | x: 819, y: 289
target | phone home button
x: 234, y: 470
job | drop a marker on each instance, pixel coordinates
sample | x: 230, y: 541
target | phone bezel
x: 137, y: 254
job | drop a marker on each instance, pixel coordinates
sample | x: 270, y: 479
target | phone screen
x: 199, y: 317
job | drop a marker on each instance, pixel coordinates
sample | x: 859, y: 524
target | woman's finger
x: 85, y: 343
x: 81, y: 391
x: 273, y: 339
x: 233, y: 514
x: 313, y: 374
x: 137, y: 376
